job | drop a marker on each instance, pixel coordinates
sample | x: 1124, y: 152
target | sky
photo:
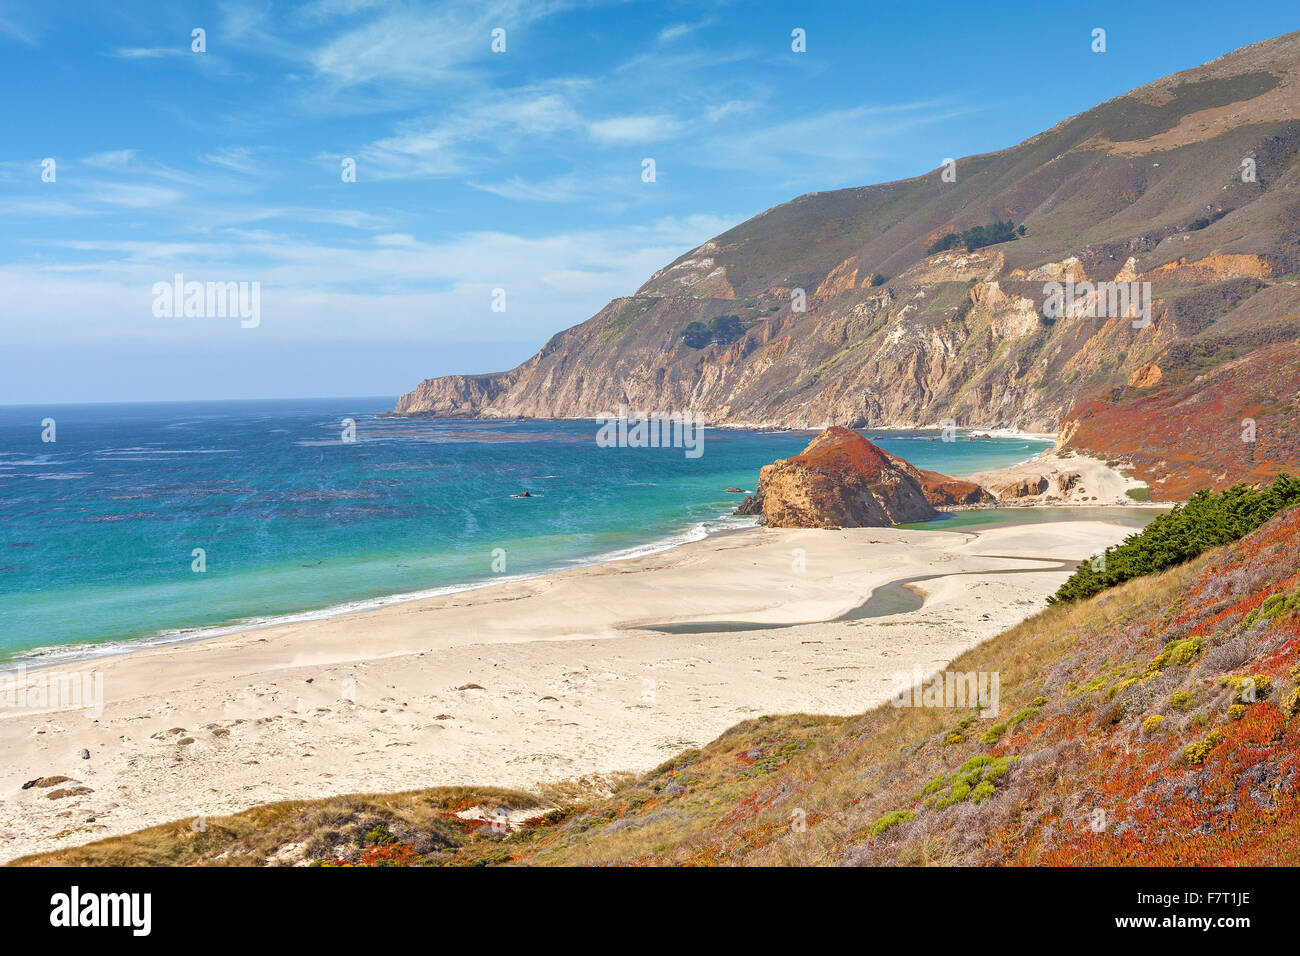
x: 476, y: 169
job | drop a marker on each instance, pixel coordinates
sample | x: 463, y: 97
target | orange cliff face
x: 841, y: 480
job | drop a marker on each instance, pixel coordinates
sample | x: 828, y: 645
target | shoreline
x: 63, y: 655
x: 518, y: 683
x: 60, y: 655
x: 974, y: 431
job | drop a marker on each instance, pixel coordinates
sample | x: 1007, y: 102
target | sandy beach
x: 535, y: 680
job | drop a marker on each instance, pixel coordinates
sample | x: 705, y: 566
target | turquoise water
x: 976, y: 518
x: 98, y: 529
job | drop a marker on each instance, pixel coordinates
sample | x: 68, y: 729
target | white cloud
x: 134, y: 195
x: 235, y: 158
x: 420, y: 44
x: 112, y: 159
x: 556, y: 189
x: 395, y: 286
x: 14, y: 31
x: 634, y: 129
x: 147, y: 53
x: 465, y: 139
x: 729, y: 108
x: 678, y: 30
x: 829, y: 148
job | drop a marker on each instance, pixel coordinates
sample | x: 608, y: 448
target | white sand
x: 568, y: 688
x: 1097, y: 483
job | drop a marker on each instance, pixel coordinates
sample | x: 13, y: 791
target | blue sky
x: 475, y: 170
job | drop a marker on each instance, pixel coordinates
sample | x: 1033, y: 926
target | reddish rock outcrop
x: 1021, y: 487
x: 941, y: 490
x: 841, y: 480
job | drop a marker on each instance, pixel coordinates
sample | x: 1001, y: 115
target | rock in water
x: 841, y: 480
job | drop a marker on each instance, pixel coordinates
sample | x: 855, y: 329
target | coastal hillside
x: 927, y: 299
x: 1155, y: 723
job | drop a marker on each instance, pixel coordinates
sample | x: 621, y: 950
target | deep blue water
x: 98, y: 529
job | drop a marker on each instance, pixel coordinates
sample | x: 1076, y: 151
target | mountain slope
x: 1147, y: 187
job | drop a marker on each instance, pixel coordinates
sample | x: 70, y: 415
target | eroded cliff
x: 846, y: 317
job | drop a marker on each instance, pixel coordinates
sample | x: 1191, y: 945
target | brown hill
x: 841, y: 480
x: 1147, y: 187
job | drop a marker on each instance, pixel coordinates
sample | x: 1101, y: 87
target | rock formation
x: 841, y: 480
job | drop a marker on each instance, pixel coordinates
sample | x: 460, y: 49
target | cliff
x: 1146, y: 188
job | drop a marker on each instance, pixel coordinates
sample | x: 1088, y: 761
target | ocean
x: 150, y: 522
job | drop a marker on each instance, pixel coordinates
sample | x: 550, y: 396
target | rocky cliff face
x: 841, y: 480
x: 848, y: 319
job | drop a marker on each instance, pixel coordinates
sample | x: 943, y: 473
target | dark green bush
x: 723, y: 329
x: 997, y: 231
x: 945, y: 242
x: 1205, y: 522
x: 977, y: 237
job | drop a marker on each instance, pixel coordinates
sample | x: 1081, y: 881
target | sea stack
x: 841, y: 480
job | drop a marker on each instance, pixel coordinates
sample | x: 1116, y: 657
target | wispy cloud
x: 408, y: 43
x: 11, y: 29
x: 148, y: 52
x: 238, y: 159
x: 331, y: 291
x: 678, y: 30
x: 827, y: 148
x: 113, y: 159
x: 634, y: 129
x: 556, y: 189
x: 135, y: 196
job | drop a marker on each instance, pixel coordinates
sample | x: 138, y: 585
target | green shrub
x: 723, y: 329
x: 1206, y: 521
x: 1248, y: 690
x: 993, y: 734
x: 983, y: 790
x: 1175, y: 652
x: 1275, y: 605
x: 997, y: 231
x: 945, y: 242
x: 1182, y: 700
x: 1197, y: 752
x: 1198, y: 224
x: 890, y: 819
x: 976, y: 237
x: 1291, y: 703
x: 1022, y: 717
x: 974, y: 780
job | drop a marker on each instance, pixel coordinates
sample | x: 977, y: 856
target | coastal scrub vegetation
x: 721, y: 329
x: 976, y: 237
x: 1206, y: 521
x: 1155, y: 723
